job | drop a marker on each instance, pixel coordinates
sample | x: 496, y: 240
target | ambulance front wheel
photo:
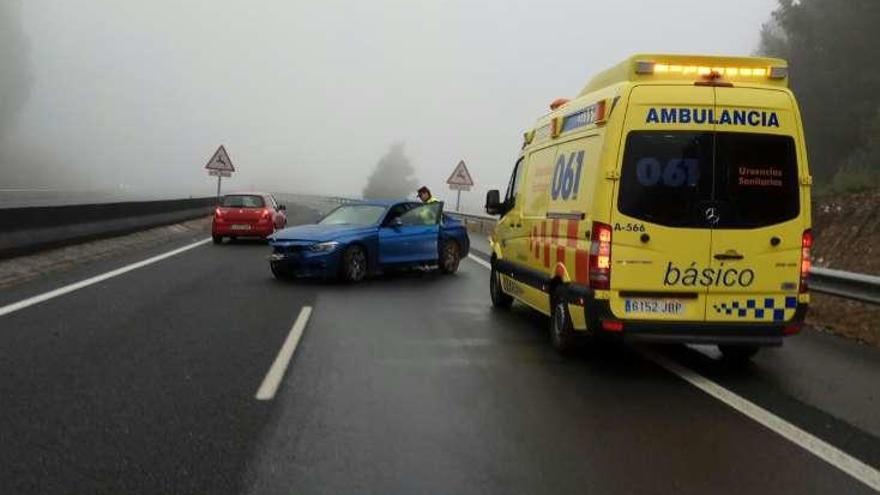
x: 499, y: 298
x: 738, y: 354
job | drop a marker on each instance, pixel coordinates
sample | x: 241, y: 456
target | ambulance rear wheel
x: 738, y: 354
x: 562, y: 334
x: 499, y: 298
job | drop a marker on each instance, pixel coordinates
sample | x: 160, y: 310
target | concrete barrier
x: 26, y: 230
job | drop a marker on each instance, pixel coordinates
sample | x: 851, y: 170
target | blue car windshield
x: 354, y: 215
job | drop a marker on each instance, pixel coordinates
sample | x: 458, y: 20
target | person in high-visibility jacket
x: 428, y: 215
x: 425, y: 195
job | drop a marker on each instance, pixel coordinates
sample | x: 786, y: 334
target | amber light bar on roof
x: 651, y: 68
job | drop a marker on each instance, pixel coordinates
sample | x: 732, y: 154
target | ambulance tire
x: 562, y: 334
x: 738, y: 354
x: 450, y: 256
x: 354, y: 264
x: 499, y: 298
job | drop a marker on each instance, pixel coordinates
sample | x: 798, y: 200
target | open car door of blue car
x: 412, y: 237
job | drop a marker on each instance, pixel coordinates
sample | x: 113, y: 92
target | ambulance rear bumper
x: 602, y: 323
x: 702, y: 333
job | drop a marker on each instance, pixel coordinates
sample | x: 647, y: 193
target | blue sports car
x: 356, y: 240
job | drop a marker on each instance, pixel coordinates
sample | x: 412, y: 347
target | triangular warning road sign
x: 460, y: 176
x: 220, y: 161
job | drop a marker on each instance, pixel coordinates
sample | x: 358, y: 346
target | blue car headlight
x: 324, y: 247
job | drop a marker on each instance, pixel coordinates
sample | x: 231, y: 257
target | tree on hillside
x: 393, y: 177
x: 832, y: 51
x: 861, y: 171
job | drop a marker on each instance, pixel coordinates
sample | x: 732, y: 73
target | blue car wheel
x: 280, y: 271
x: 354, y: 264
x: 450, y: 255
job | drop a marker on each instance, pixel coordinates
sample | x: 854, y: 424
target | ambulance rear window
x: 757, y: 179
x: 665, y: 176
x: 673, y: 178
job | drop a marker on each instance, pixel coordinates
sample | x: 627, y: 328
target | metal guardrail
x: 849, y: 285
x: 475, y: 223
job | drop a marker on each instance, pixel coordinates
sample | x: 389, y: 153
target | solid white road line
x: 480, y: 261
x: 276, y: 372
x: 11, y: 308
x: 816, y: 446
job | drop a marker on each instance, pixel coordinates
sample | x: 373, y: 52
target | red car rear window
x: 243, y: 201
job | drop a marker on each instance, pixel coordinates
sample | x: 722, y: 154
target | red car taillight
x: 265, y: 215
x: 806, y: 259
x: 218, y: 214
x: 600, y: 257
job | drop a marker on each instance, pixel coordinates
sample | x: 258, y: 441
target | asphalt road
x: 146, y: 383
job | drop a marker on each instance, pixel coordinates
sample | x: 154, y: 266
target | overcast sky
x: 307, y: 96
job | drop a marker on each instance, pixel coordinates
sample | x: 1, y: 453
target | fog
x: 308, y: 96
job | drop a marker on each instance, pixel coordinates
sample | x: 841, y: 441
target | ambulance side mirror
x: 493, y: 203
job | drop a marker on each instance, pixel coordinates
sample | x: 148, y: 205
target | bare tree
x: 393, y: 177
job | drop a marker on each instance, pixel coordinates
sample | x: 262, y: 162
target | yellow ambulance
x: 668, y: 202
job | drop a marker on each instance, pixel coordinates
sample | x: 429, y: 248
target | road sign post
x: 460, y: 180
x: 220, y: 165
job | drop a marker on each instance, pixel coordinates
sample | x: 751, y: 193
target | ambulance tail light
x: 600, y: 257
x: 806, y: 259
x: 612, y: 326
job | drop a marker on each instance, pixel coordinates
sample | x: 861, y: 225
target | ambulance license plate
x: 654, y: 306
x: 241, y: 227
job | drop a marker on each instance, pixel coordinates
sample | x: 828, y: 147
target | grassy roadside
x: 847, y: 232
x: 849, y: 319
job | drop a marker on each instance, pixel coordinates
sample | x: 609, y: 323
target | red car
x: 247, y: 214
